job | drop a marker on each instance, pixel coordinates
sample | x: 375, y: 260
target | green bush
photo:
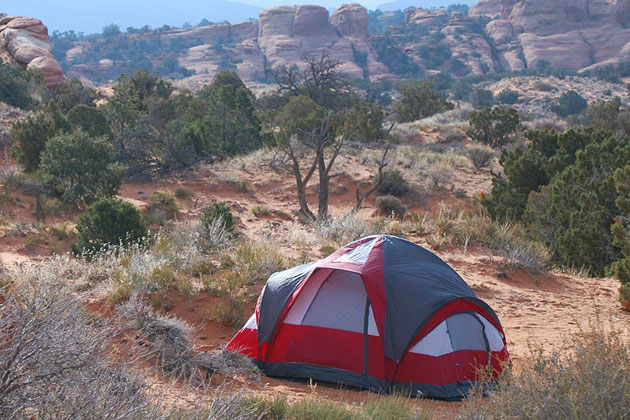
x: 390, y: 205
x: 108, y: 222
x: 32, y: 134
x: 14, y: 86
x: 419, y: 100
x: 482, y: 98
x: 624, y: 296
x: 570, y: 103
x: 393, y: 183
x: 219, y: 211
x: 508, y: 97
x: 90, y: 119
x: 493, y: 127
x: 81, y: 167
x: 583, y: 206
x: 546, y: 155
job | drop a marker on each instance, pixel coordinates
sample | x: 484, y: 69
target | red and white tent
x: 380, y: 313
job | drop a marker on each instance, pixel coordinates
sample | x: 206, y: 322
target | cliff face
x: 26, y: 41
x: 570, y: 34
x: 282, y: 36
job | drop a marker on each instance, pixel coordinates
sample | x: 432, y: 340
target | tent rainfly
x: 380, y: 313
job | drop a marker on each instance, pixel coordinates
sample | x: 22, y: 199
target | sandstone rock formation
x: 570, y: 34
x: 26, y: 40
x: 281, y: 36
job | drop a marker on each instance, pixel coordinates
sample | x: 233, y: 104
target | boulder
x: 50, y: 68
x: 351, y: 21
x: 26, y: 40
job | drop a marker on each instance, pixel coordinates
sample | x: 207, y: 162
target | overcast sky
x: 90, y: 16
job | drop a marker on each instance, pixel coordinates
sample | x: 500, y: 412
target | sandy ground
x: 534, y: 309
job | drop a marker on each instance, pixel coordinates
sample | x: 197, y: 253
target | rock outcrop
x: 570, y: 34
x: 26, y: 40
x: 282, y: 36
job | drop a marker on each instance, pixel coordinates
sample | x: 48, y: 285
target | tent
x: 380, y: 313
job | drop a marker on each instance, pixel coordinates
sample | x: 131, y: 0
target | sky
x: 90, y: 16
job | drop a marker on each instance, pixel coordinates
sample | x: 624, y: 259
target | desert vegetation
x: 146, y: 224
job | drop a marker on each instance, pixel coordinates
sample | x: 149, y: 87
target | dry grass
x: 314, y: 407
x: 56, y: 361
x: 507, y: 240
x: 588, y: 377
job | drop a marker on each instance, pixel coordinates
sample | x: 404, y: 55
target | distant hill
x: 91, y: 16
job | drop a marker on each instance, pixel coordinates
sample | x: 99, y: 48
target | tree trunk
x: 324, y: 183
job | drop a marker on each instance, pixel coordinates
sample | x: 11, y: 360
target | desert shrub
x: 419, y: 100
x: 243, y: 186
x: 343, y: 230
x: 61, y: 231
x: 214, y: 235
x: 230, y: 308
x: 81, y: 166
x: 89, y: 119
x: 393, y: 183
x: 169, y: 337
x: 506, y: 239
x: 440, y: 174
x: 259, y: 211
x: 32, y: 134
x: 508, y: 97
x: 493, y: 127
x: 624, y: 296
x: 14, y: 86
x: 327, y: 250
x: 162, y: 207
x: 184, y: 193
x: 219, y: 211
x: 545, y: 87
x: 588, y: 377
x: 453, y: 134
x: 390, y: 205
x: 53, y: 352
x: 108, y: 222
x: 365, y: 122
x: 254, y: 262
x: 482, y: 98
x: 480, y: 155
x: 570, y: 103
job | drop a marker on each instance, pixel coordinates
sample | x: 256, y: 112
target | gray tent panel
x: 275, y: 295
x: 417, y: 283
x: 466, y: 332
x: 339, y: 303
